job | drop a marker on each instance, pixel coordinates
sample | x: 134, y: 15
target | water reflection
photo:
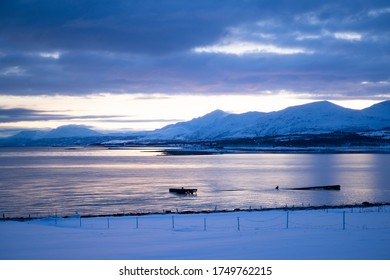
x: 101, y: 181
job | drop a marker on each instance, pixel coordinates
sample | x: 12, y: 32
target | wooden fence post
x: 343, y: 220
x: 287, y: 220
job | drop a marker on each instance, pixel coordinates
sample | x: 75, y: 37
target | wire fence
x: 324, y: 219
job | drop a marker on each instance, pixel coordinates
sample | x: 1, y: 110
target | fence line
x: 334, y: 219
x: 379, y: 207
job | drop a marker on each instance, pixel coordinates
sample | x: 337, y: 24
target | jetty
x: 183, y: 191
x: 320, y: 188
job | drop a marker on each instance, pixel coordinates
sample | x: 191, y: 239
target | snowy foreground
x: 335, y: 234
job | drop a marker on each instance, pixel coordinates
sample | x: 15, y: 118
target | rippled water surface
x: 48, y: 181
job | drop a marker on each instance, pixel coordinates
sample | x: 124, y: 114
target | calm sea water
x: 49, y: 181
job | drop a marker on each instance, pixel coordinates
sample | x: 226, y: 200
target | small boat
x: 183, y: 191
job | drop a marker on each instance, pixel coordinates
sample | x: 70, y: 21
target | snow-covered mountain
x: 313, y: 118
x: 380, y: 110
x: 66, y: 131
x: 72, y: 130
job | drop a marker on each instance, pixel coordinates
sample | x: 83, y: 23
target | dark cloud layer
x: 331, y: 47
x: 13, y: 115
x: 10, y: 115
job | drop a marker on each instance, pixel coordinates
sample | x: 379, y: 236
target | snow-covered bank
x: 356, y: 233
x: 385, y: 149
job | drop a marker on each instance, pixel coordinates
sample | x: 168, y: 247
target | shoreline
x: 191, y: 212
x: 272, y: 150
x: 196, y: 149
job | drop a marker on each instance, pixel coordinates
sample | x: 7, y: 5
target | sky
x: 130, y: 65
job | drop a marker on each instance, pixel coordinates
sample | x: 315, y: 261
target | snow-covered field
x: 277, y: 234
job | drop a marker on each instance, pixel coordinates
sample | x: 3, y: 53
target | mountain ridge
x: 64, y: 131
x: 315, y: 117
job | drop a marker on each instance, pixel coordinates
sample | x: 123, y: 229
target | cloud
x: 379, y: 12
x: 12, y: 71
x: 245, y: 48
x: 53, y: 55
x: 349, y: 36
x: 12, y: 115
x: 21, y: 114
x: 124, y: 26
x: 192, y: 47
